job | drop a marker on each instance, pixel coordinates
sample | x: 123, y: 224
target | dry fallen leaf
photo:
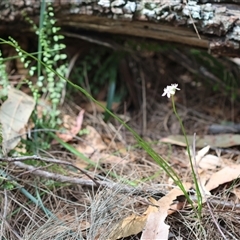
x: 14, y: 115
x: 201, y: 153
x: 133, y: 224
x: 210, y: 162
x: 108, y: 158
x: 225, y: 175
x: 73, y: 127
x: 151, y: 222
x: 221, y: 140
x: 155, y: 227
x: 92, y: 142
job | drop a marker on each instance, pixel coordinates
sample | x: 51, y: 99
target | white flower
x: 170, y: 90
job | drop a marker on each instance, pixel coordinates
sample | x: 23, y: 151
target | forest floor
x: 121, y: 185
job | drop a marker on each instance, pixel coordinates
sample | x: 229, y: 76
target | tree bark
x: 212, y: 25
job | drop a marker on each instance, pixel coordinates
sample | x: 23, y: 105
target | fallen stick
x: 17, y: 161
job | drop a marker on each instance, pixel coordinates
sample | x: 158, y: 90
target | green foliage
x: 4, y: 83
x: 95, y: 67
x: 83, y: 131
x: 6, y: 184
x: 221, y: 77
x: 102, y: 71
x: 48, y: 85
x: 50, y: 48
x: 52, y: 185
x: 51, y: 45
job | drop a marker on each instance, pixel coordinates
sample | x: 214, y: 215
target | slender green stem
x: 41, y: 20
x: 199, y: 195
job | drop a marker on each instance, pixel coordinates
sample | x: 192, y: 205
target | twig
x: 49, y: 160
x: 84, y: 182
x: 95, y: 40
x: 107, y: 184
x: 61, y: 178
x: 223, y: 205
x: 69, y: 70
x: 220, y: 204
x: 144, y: 102
x: 4, y: 214
x: 230, y: 234
x: 194, y: 25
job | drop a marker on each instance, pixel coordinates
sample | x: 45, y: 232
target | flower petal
x: 170, y: 90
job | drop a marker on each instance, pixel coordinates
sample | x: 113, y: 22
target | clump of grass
x: 92, y: 216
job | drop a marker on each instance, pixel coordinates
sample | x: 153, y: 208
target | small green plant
x: 48, y: 86
x: 93, y: 67
x: 218, y: 74
x: 50, y: 52
x: 4, y: 83
x: 169, y: 91
x: 101, y: 70
x: 6, y: 184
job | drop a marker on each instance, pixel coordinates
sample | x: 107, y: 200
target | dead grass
x: 84, y: 213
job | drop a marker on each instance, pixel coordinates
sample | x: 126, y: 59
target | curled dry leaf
x: 93, y: 146
x: 210, y: 162
x: 132, y: 224
x: 221, y: 140
x: 201, y: 153
x: 151, y: 222
x: 92, y: 142
x: 225, y: 175
x: 14, y: 115
x: 72, y: 127
x: 155, y: 227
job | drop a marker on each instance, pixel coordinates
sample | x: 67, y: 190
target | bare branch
x: 48, y: 160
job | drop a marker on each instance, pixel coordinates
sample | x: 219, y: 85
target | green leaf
x: 55, y: 38
x: 63, y: 56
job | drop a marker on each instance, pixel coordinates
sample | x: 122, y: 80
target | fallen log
x: 213, y: 25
